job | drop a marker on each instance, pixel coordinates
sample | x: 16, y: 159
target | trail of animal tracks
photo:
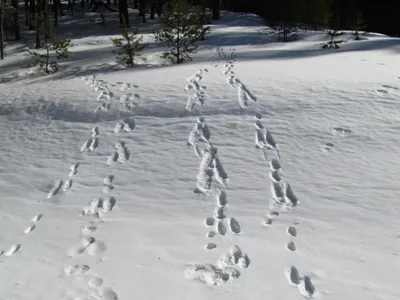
x: 239, y: 178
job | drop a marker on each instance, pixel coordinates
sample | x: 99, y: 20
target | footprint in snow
x: 221, y: 229
x: 73, y: 169
x: 94, y: 144
x: 13, y: 249
x: 210, y: 246
x: 76, y: 269
x: 86, y: 145
x: 211, y: 234
x: 95, y: 282
x: 67, y: 185
x: 273, y: 215
x: 209, y: 221
x: 291, y: 246
x: 37, y: 218
x: 292, y: 231
x: 103, y: 294
x: 275, y: 165
x: 292, y: 275
x: 327, y: 147
x: 95, y: 131
x: 306, y: 287
x: 112, y: 158
x: 54, y: 190
x: 220, y: 213
x: 382, y: 91
x: 30, y: 229
x: 234, y: 226
x: 222, y: 199
x: 341, y: 130
x: 88, y: 229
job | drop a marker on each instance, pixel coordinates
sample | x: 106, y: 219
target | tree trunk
x: 152, y: 11
x: 55, y: 10
x: 38, y: 22
x: 46, y: 19
x: 1, y: 29
x: 159, y: 9
x: 16, y: 20
x: 216, y: 9
x: 142, y: 10
x: 26, y: 2
x: 32, y: 10
x: 123, y: 13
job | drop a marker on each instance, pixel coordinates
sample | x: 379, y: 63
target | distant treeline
x: 382, y: 16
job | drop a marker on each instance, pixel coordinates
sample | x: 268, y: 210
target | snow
x: 120, y: 220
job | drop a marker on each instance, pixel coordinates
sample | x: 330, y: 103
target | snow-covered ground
x: 95, y: 209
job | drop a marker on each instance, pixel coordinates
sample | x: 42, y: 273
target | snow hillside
x: 273, y: 175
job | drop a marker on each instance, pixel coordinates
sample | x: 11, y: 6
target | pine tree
x: 54, y: 51
x: 128, y: 47
x: 359, y: 25
x: 182, y: 30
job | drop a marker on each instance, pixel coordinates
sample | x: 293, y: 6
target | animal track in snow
x: 98, y: 207
x: 221, y: 229
x: 210, y: 221
x: 193, y: 85
x: 123, y: 153
x: 275, y: 165
x: 386, y: 89
x: 277, y: 192
x: 234, y: 226
x: 199, y: 133
x: 107, y: 184
x: 291, y: 246
x: 275, y: 176
x: 292, y: 231
x: 54, y: 190
x: 112, y: 158
x: 219, y: 213
x: 273, y: 215
x: 306, y: 288
x: 210, y: 246
x: 76, y: 269
x: 73, y: 169
x: 12, y: 250
x: 341, y: 130
x: 222, y: 199
x: 29, y: 229
x: 95, y: 282
x: 67, y: 185
x: 327, y: 147
x: 88, y: 229
x: 94, y: 144
x: 211, y: 234
x: 37, y: 218
x: 127, y: 125
x: 264, y: 139
x: 290, y: 197
x: 95, y: 131
x: 292, y: 275
x: 96, y: 248
x: 205, y: 173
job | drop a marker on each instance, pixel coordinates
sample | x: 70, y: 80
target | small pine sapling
x: 128, y: 47
x: 181, y: 32
x: 360, y: 24
x: 54, y: 51
x: 333, y: 44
